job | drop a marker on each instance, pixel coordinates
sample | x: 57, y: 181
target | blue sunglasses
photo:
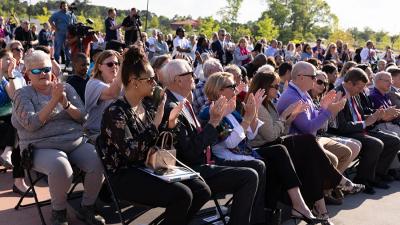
x: 41, y: 70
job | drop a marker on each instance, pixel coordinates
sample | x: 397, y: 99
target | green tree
x: 208, y: 25
x: 396, y: 44
x: 267, y: 29
x: 342, y: 35
x: 154, y: 22
x: 230, y: 14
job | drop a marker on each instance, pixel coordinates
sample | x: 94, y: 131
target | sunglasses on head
x: 38, y: 71
x: 111, y: 64
x: 18, y: 49
x: 232, y: 86
x: 321, y: 82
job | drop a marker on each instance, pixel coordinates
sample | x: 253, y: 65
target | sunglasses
x: 185, y: 74
x: 276, y: 86
x: 149, y: 80
x: 232, y: 86
x: 312, y: 76
x: 41, y: 70
x: 321, y: 82
x: 111, y: 64
x: 18, y: 49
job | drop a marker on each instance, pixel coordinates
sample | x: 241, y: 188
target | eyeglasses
x: 149, y: 80
x: 111, y: 64
x: 18, y: 49
x: 38, y: 71
x: 185, y: 74
x: 276, y: 86
x: 312, y: 76
x: 232, y: 86
x: 321, y: 82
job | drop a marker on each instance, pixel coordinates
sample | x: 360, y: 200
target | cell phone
x: 157, y: 95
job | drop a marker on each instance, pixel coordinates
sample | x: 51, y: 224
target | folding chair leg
x: 222, y: 216
x: 121, y: 217
x: 35, y: 197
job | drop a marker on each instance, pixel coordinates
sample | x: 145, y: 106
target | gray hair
x: 266, y: 69
x: 36, y: 57
x: 12, y: 43
x: 380, y: 75
x: 211, y: 66
x: 174, y: 68
x: 301, y: 68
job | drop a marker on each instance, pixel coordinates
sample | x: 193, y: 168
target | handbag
x: 163, y: 157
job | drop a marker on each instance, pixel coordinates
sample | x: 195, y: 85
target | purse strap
x: 166, y: 136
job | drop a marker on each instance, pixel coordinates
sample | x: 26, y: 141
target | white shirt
x: 152, y: 42
x: 365, y: 53
x: 181, y: 42
x: 221, y: 150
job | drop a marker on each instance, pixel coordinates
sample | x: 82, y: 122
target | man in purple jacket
x: 308, y: 122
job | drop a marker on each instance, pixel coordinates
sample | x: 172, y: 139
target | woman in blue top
x: 273, y: 163
x: 307, y: 52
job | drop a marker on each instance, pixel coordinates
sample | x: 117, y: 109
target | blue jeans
x: 60, y: 44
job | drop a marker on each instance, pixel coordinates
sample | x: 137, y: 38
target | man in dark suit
x: 378, y: 148
x: 192, y: 142
x: 221, y: 49
x: 394, y: 93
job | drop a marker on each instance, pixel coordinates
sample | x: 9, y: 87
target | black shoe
x: 368, y: 187
x: 386, y: 178
x: 306, y: 219
x: 5, y: 163
x: 273, y: 216
x: 395, y: 174
x: 330, y: 200
x: 16, y: 190
x: 59, y: 217
x: 87, y: 214
x: 379, y: 183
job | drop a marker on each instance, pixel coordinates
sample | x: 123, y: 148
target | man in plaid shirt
x: 210, y: 66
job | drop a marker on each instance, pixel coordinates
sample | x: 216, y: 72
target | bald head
x: 302, y: 68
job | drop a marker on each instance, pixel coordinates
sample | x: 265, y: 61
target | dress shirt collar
x: 303, y: 95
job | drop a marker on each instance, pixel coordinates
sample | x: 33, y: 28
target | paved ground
x: 380, y: 209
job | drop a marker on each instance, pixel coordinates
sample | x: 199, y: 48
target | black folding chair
x: 115, y: 199
x: 27, y: 163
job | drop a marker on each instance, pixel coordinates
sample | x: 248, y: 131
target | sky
x: 378, y: 15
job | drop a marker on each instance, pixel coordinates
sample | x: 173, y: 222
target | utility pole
x: 147, y: 16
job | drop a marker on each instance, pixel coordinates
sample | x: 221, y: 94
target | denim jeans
x: 60, y: 44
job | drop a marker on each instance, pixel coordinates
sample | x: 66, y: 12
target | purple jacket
x: 308, y: 122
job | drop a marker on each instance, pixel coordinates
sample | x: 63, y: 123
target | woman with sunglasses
x: 312, y: 166
x: 306, y: 53
x: 49, y: 116
x: 15, y: 47
x: 129, y: 128
x: 272, y: 163
x: 102, y: 88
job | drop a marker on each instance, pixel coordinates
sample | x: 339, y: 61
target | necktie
x: 207, y: 151
x: 359, y: 118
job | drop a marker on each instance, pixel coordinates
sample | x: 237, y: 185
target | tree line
x: 285, y: 20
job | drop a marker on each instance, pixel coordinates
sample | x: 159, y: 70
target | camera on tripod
x: 80, y: 29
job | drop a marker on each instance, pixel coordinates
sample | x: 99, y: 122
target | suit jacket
x: 346, y: 125
x: 394, y: 97
x: 217, y: 48
x: 189, y: 142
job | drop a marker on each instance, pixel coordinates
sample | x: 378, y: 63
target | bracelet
x: 11, y: 78
x: 68, y: 105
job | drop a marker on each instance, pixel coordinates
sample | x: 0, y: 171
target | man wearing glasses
x: 308, y: 122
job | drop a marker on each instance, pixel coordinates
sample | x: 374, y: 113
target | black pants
x: 240, y: 181
x: 258, y: 215
x: 312, y: 166
x: 8, y: 138
x: 281, y: 175
x: 181, y: 199
x: 377, y: 153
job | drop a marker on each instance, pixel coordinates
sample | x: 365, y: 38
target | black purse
x: 27, y: 157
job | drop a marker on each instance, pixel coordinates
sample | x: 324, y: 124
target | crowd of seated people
x: 261, y: 122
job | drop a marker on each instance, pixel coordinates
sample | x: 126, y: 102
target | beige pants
x: 339, y: 154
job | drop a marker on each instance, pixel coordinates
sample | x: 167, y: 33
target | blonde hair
x: 12, y: 43
x: 96, y: 73
x: 215, y: 83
